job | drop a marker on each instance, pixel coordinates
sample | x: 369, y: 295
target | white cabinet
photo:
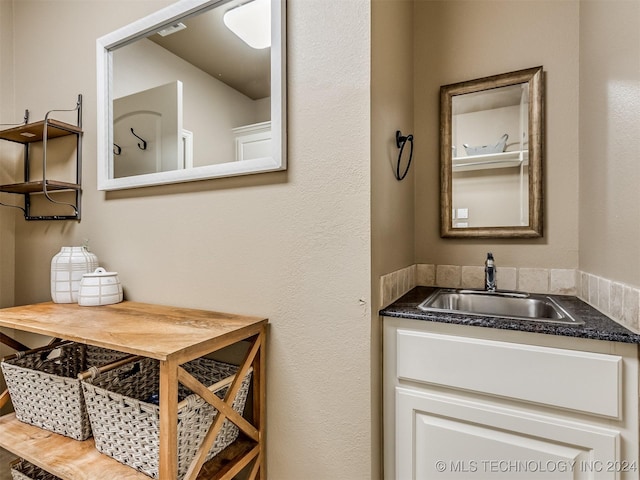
x: 441, y: 435
x: 470, y: 402
x: 253, y: 141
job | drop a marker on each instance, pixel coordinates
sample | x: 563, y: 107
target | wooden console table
x: 173, y: 336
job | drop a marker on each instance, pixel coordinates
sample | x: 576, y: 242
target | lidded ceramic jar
x: 99, y: 288
x: 67, y: 268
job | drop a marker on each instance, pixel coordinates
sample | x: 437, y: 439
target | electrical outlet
x: 463, y: 213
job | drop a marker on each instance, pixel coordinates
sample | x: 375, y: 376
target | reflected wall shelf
x: 491, y: 161
x: 43, y: 131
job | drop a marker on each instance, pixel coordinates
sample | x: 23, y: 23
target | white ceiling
x: 490, y: 99
x: 209, y: 45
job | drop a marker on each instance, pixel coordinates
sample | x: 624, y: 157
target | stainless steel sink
x: 513, y: 305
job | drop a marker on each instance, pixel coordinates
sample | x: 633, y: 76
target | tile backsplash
x: 619, y: 301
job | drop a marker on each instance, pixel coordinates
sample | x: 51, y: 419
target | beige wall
x: 460, y: 40
x: 392, y: 208
x: 293, y: 246
x: 610, y: 139
x: 8, y: 152
x: 392, y: 211
x: 492, y: 197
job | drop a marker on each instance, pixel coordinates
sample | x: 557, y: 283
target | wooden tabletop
x: 155, y: 331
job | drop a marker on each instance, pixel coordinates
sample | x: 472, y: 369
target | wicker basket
x: 23, y: 470
x: 122, y: 407
x: 44, y: 389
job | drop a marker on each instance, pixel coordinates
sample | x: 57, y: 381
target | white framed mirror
x: 184, y: 95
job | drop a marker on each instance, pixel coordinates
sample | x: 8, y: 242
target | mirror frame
x: 157, y: 21
x: 534, y: 77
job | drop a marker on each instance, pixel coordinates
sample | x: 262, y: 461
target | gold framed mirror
x: 491, y: 153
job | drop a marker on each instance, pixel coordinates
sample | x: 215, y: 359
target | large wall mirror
x: 491, y: 149
x: 194, y: 91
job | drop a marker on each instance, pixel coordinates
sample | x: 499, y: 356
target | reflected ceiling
x: 487, y: 99
x: 208, y: 44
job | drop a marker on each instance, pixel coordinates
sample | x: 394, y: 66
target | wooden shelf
x: 37, y: 187
x: 490, y: 161
x: 64, y: 457
x: 34, y: 132
x: 74, y: 460
x: 29, y: 133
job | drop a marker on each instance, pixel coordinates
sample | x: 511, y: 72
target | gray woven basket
x: 23, y: 470
x: 44, y: 389
x: 124, y: 415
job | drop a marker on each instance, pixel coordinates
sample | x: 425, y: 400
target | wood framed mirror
x: 491, y: 154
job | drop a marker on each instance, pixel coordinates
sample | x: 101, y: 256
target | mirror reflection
x: 193, y: 98
x: 490, y: 167
x: 490, y: 172
x: 147, y: 129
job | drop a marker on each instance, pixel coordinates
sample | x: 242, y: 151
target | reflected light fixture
x: 251, y: 22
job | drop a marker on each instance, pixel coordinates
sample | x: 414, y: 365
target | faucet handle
x: 490, y: 283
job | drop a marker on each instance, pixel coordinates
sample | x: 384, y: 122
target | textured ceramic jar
x: 67, y: 268
x: 99, y: 288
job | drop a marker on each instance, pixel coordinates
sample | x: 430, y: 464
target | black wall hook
x: 401, y: 141
x: 144, y: 143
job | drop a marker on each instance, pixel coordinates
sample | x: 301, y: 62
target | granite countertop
x: 597, y: 326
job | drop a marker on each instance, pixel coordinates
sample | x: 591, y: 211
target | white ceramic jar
x: 67, y: 268
x: 99, y: 288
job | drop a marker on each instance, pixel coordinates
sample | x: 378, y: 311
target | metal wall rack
x: 43, y: 131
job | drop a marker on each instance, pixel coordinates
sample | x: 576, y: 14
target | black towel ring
x: 401, y: 141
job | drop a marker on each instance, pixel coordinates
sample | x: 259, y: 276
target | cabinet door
x: 449, y: 437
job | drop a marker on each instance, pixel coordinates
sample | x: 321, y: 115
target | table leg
x: 168, y: 467
x: 260, y: 364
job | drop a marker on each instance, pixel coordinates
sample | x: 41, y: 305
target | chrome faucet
x: 490, y: 283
